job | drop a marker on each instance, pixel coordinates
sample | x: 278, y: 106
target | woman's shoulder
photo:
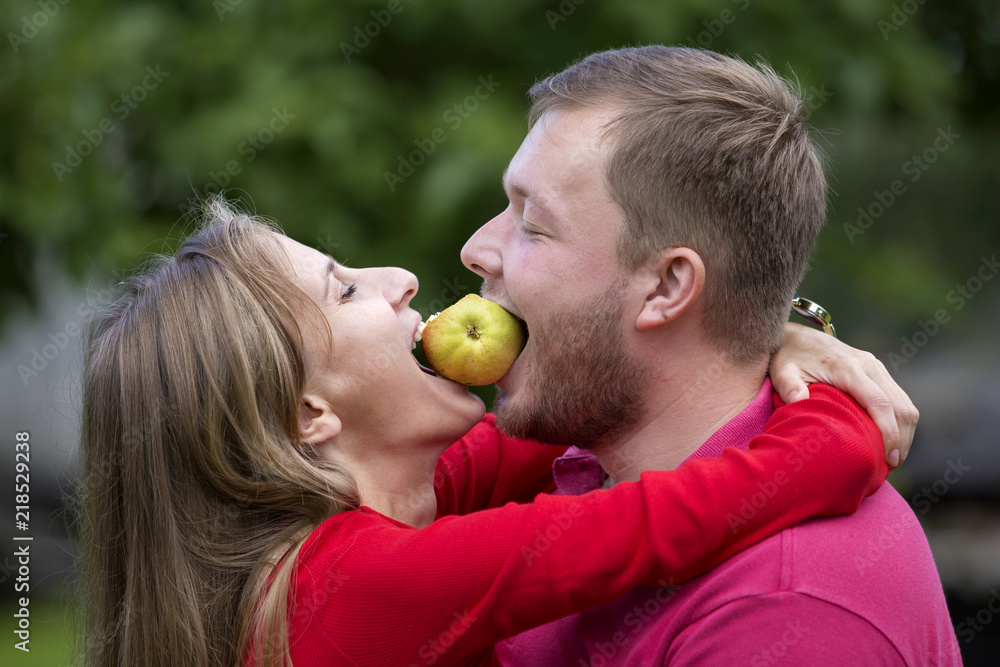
x: 346, y: 532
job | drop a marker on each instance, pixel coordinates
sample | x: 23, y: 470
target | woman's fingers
x: 808, y: 355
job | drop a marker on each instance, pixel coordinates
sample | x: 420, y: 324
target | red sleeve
x: 382, y: 593
x: 488, y: 469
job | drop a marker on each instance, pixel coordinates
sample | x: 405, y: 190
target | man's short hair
x: 709, y: 153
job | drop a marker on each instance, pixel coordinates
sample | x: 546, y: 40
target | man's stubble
x: 582, y: 387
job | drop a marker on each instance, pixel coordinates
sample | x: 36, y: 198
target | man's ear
x: 317, y: 422
x: 674, y: 280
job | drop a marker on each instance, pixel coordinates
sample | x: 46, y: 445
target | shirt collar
x: 578, y: 470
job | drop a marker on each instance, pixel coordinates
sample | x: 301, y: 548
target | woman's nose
x: 399, y: 286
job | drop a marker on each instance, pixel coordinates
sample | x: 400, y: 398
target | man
x: 662, y: 211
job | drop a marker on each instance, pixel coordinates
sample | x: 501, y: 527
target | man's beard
x: 582, y: 387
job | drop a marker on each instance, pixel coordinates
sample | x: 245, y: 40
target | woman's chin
x: 458, y: 409
x: 475, y: 408
x: 471, y: 412
x: 459, y: 421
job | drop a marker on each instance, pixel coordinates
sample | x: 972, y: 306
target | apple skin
x: 472, y: 342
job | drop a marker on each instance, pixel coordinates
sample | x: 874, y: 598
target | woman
x: 269, y: 476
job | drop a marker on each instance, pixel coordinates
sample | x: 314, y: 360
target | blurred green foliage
x: 191, y: 88
x: 53, y: 641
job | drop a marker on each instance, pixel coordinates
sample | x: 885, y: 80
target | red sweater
x: 369, y: 590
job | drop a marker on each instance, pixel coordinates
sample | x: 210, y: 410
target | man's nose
x: 481, y: 253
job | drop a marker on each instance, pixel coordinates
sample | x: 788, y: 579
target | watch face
x: 815, y: 313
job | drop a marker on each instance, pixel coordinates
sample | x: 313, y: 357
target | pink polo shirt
x: 850, y: 590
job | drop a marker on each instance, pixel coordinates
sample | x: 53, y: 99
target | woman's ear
x: 676, y: 277
x: 317, y: 422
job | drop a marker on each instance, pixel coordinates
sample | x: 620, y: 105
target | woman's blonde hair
x: 196, y: 491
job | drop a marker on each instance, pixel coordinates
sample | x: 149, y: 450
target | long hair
x: 196, y: 491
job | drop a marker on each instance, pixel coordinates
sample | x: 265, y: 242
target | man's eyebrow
x: 512, y: 187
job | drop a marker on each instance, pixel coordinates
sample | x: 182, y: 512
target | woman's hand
x: 808, y: 355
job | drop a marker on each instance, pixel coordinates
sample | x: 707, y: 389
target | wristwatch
x: 815, y: 313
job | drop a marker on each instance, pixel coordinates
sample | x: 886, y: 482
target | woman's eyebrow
x: 330, y: 266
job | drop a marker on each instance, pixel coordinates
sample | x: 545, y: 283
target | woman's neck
x: 400, y: 484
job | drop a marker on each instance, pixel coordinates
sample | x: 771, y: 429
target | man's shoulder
x: 835, y: 558
x: 873, y: 568
x: 873, y: 560
x: 884, y: 525
x: 869, y: 572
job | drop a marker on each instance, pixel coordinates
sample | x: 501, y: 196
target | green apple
x: 473, y: 342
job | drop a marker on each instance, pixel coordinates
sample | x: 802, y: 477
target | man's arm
x: 808, y: 355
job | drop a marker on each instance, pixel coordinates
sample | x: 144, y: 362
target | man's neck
x: 683, y: 409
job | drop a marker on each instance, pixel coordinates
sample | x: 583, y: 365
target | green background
x: 359, y: 86
x: 884, y: 95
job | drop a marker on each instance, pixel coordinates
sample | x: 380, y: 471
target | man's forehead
x: 536, y: 190
x: 559, y: 155
x: 579, y: 128
x: 521, y: 185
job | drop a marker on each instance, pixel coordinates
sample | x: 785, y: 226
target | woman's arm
x: 459, y: 585
x: 488, y: 469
